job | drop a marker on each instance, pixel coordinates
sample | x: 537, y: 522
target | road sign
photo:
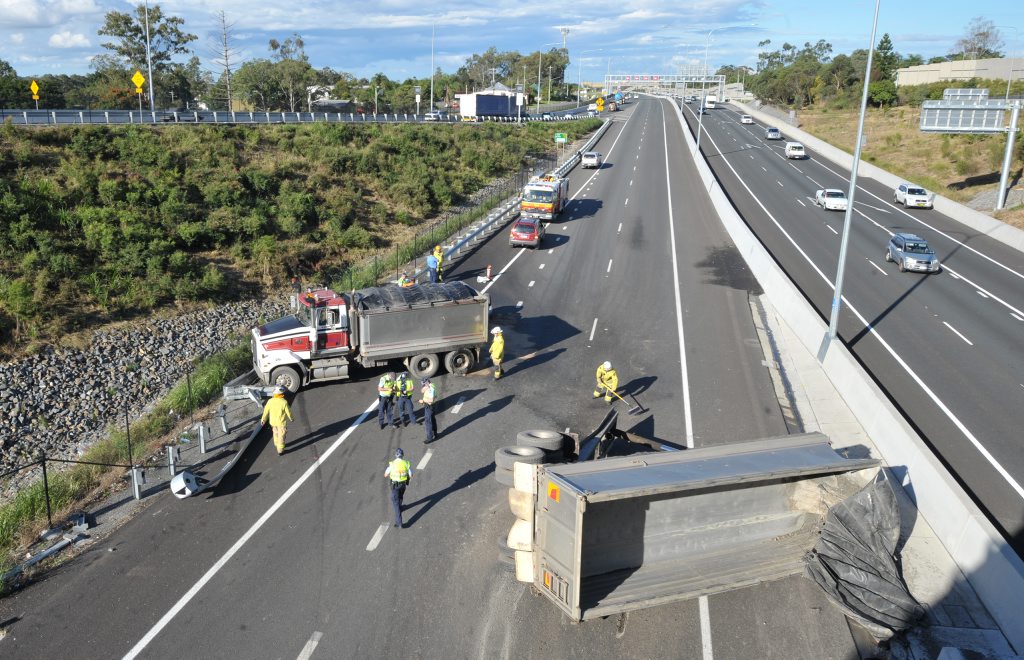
x: 975, y: 116
x: 600, y: 104
x: 35, y: 88
x: 560, y: 138
x: 138, y: 79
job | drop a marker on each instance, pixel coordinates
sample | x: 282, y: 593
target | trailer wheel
x: 546, y: 440
x: 459, y: 362
x: 424, y: 365
x: 288, y: 377
x: 506, y: 457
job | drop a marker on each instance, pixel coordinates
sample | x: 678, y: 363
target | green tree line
x: 99, y: 223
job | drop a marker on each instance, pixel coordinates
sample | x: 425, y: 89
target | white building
x: 1004, y: 68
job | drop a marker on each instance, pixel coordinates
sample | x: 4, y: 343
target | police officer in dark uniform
x: 400, y: 473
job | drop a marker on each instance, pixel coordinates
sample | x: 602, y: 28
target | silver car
x: 911, y: 252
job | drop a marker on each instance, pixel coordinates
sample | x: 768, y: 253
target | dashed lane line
x: 532, y: 282
x: 958, y: 333
x: 307, y: 651
x: 800, y: 202
x: 457, y: 407
x: 593, y: 329
x: 609, y: 266
x: 879, y: 269
x: 430, y: 452
x: 377, y: 536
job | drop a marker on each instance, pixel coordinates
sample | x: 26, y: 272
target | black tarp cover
x: 381, y: 298
x: 856, y: 561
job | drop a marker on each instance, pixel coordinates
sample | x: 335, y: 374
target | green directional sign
x: 560, y: 138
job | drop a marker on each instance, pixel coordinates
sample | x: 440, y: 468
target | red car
x: 526, y: 232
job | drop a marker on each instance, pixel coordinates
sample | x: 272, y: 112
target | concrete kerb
x: 976, y: 220
x: 993, y: 569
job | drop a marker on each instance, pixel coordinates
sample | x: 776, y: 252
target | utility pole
x: 432, y: 68
x: 549, y: 83
x: 149, y: 60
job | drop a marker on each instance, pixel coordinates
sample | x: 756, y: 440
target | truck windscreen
x: 535, y: 195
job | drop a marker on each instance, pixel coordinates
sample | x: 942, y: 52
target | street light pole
x: 837, y: 297
x: 579, y: 73
x: 149, y: 60
x: 703, y: 79
x: 431, y: 68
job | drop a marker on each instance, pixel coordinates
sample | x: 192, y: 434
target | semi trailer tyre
x: 505, y: 457
x: 459, y: 362
x: 546, y: 440
x: 504, y: 477
x: 288, y: 377
x: 505, y: 550
x: 424, y: 365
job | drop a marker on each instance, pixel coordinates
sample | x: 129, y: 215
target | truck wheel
x: 424, y: 365
x: 288, y: 377
x: 506, y: 457
x: 459, y: 362
x: 546, y: 440
x: 504, y: 476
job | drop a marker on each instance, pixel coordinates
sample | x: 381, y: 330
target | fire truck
x: 544, y: 197
x: 424, y: 326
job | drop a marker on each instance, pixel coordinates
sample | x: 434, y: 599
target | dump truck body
x: 621, y: 534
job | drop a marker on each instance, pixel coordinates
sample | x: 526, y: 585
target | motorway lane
x: 958, y: 329
x: 307, y: 578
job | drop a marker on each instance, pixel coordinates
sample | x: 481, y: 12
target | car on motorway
x: 432, y: 116
x: 795, y: 150
x: 526, y: 232
x: 591, y: 160
x: 772, y: 133
x: 592, y: 106
x: 547, y: 116
x: 911, y: 252
x: 746, y: 119
x: 908, y: 194
x: 591, y: 113
x: 831, y: 199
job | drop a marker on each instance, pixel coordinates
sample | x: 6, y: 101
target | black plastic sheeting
x: 856, y: 561
x: 381, y: 298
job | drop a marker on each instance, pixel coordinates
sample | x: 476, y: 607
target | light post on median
x: 540, y: 59
x: 837, y: 297
x: 703, y: 80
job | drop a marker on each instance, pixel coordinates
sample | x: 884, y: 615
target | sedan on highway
x: 746, y: 119
x: 831, y: 199
x: 911, y: 252
x: 908, y: 194
x: 772, y: 133
x: 526, y: 233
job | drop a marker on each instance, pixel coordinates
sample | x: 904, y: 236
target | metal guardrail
x: 129, y: 117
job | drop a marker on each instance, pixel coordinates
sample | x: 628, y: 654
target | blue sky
x: 393, y: 36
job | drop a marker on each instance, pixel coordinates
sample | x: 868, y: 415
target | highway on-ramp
x: 945, y: 347
x: 294, y: 556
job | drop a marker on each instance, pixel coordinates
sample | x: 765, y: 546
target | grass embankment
x: 23, y: 517
x: 955, y: 166
x: 102, y: 223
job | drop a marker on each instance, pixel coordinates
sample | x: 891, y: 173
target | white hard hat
x: 280, y: 389
x: 496, y: 330
x: 607, y: 365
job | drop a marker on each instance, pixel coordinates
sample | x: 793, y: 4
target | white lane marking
x: 795, y: 167
x: 377, y: 536
x: 889, y: 349
x: 430, y: 452
x: 458, y: 406
x: 779, y: 182
x: 876, y: 267
x: 540, y: 267
x: 620, y: 229
x: 958, y: 333
x: 1017, y: 317
x: 981, y: 293
x: 918, y: 220
x: 832, y: 230
x: 609, y: 266
x: 593, y: 329
x: 532, y: 282
x: 751, y: 156
x: 764, y: 168
x: 627, y: 202
x: 564, y: 227
x: 961, y: 276
x: 631, y: 182
x: 502, y: 271
x: 705, y: 628
x: 551, y: 251
x: 233, y: 550
x: 872, y: 207
x: 566, y: 430
x: 800, y: 202
x: 519, y: 303
x: 307, y: 650
x: 634, y: 168
x: 679, y: 305
x: 814, y: 182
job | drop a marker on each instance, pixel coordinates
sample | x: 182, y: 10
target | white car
x: 908, y: 194
x: 746, y: 119
x: 831, y: 199
x: 590, y: 160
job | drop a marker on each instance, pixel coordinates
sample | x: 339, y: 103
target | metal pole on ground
x: 46, y: 493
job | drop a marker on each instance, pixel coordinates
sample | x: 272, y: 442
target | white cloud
x: 64, y: 39
x: 17, y: 38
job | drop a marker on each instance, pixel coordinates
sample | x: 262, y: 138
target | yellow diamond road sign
x: 34, y: 87
x: 600, y: 104
x: 138, y: 79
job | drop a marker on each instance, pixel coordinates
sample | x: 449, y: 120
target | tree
x: 981, y: 41
x: 14, y: 93
x: 887, y: 60
x: 128, y: 47
x: 911, y: 60
x: 256, y: 82
x: 292, y: 67
x: 225, y: 55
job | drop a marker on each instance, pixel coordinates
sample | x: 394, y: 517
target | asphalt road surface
x: 295, y: 557
x: 945, y: 347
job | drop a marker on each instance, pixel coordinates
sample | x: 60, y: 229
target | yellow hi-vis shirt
x: 498, y: 348
x: 440, y: 257
x: 276, y: 410
x: 607, y: 379
x: 399, y: 470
